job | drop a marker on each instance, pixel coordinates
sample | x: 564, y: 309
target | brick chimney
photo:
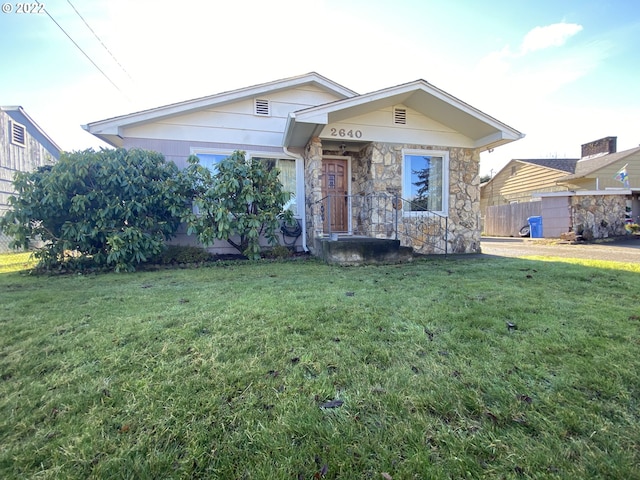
x: 598, y: 148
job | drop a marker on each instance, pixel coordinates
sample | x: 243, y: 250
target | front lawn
x: 445, y: 368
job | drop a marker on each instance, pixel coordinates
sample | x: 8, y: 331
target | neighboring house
x: 521, y: 178
x: 596, y: 204
x: 402, y: 162
x: 24, y: 147
x: 597, y: 168
x: 581, y: 196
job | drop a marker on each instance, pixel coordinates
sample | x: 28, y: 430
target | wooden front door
x: 335, y: 190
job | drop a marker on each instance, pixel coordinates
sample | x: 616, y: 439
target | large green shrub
x: 239, y: 202
x: 113, y: 207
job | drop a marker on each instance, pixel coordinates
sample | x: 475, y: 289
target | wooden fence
x: 507, y: 220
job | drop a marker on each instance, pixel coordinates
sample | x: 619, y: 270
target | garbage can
x: 535, y: 226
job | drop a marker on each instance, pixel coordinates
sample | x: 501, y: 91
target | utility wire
x: 99, y: 39
x: 83, y: 52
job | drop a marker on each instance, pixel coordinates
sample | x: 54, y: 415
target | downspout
x: 303, y: 205
x: 291, y: 118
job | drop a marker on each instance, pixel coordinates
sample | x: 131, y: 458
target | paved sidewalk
x: 626, y: 249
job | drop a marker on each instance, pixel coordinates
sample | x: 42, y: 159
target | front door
x: 335, y: 192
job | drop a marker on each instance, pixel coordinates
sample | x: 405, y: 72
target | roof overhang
x: 484, y: 131
x: 111, y: 129
x: 54, y: 149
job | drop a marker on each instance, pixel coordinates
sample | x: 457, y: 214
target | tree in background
x: 114, y: 208
x: 239, y: 202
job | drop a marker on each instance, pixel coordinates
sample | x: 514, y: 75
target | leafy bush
x: 239, y: 203
x: 114, y: 207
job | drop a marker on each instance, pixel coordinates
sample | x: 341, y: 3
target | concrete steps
x: 350, y: 250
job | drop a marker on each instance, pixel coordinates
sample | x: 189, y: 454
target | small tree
x: 113, y: 207
x: 239, y: 202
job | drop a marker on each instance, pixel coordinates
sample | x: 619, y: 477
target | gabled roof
x: 18, y: 114
x: 567, y: 165
x: 108, y: 130
x: 485, y: 131
x: 590, y: 165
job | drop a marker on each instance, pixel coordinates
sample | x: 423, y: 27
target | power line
x: 99, y: 39
x: 81, y: 50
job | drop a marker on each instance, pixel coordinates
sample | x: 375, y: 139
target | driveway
x: 626, y: 249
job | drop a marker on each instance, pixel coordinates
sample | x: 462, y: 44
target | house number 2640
x: 343, y: 132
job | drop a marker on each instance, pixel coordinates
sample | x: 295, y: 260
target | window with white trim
x: 286, y: 175
x: 425, y: 181
x: 17, y: 133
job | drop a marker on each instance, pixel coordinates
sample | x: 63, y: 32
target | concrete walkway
x: 625, y: 249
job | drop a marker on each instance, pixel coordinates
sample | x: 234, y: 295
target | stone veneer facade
x: 598, y: 216
x: 377, y: 170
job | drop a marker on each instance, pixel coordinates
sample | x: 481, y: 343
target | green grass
x: 221, y: 372
x: 15, y: 262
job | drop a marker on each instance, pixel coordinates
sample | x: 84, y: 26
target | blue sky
x: 562, y: 72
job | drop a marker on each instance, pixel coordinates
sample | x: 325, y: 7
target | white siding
x: 379, y: 126
x: 235, y: 122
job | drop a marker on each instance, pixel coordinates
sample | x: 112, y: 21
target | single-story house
x: 24, y: 147
x: 401, y: 162
x: 584, y: 196
x: 600, y: 164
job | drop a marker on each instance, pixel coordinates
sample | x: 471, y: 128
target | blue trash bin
x: 535, y: 226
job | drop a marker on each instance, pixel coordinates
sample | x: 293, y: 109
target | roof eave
x: 497, y: 139
x: 35, y: 125
x: 110, y: 138
x: 159, y: 113
x: 502, y: 133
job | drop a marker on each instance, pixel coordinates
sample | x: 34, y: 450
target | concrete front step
x: 362, y: 250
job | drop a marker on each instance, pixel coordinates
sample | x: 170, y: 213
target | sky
x: 562, y: 72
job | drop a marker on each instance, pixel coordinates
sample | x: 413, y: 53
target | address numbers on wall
x: 345, y: 133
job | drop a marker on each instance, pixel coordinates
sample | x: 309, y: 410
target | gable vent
x: 400, y: 116
x: 262, y: 107
x: 18, y: 133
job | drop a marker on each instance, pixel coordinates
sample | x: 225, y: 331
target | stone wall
x: 427, y: 233
x: 376, y: 183
x: 313, y: 190
x: 598, y: 216
x: 464, y: 200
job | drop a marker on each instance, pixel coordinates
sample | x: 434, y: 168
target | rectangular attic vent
x: 262, y: 107
x: 17, y: 133
x: 400, y: 116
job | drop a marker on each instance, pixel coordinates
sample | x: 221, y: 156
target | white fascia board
x: 513, y: 134
x: 318, y: 119
x: 506, y: 133
x: 216, y: 100
x: 496, y: 139
x: 308, y: 114
x: 288, y: 129
x: 37, y: 127
x: 583, y: 193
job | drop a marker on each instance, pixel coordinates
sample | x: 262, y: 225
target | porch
x: 376, y: 228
